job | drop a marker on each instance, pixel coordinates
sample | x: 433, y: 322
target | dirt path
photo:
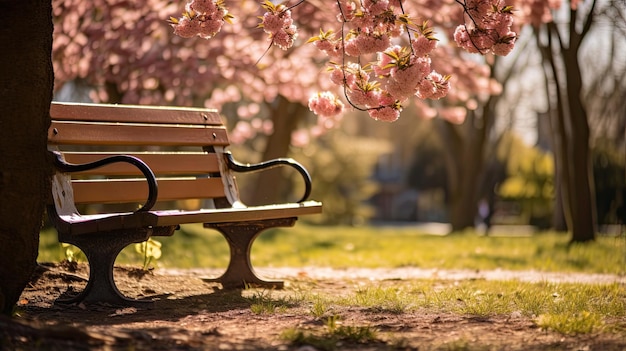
x: 406, y: 273
x: 192, y: 314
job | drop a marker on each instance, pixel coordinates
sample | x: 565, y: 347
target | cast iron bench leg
x: 240, y: 236
x: 101, y: 251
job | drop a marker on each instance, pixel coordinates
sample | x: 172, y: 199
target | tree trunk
x: 579, y: 155
x: 26, y: 80
x: 572, y: 135
x: 465, y: 165
x: 270, y: 185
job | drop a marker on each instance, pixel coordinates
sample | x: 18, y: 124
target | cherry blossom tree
x: 379, y: 84
x: 127, y: 52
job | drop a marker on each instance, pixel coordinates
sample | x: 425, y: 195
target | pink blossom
x: 503, y: 49
x: 202, y: 6
x: 337, y: 77
x: 489, y: 26
x: 384, y: 60
x: 285, y: 38
x: 463, y: 40
x: 186, y: 27
x: 369, y: 44
x: 370, y: 98
x: 385, y: 114
x: 423, y: 46
x: 325, y: 104
x: 376, y: 7
x: 209, y: 28
x: 403, y: 82
x: 272, y: 22
x: 351, y: 48
x: 325, y: 45
x: 442, y: 85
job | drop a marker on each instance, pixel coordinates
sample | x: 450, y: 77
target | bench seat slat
x: 128, y: 191
x: 235, y: 214
x: 86, y: 224
x: 71, y: 133
x: 134, y: 113
x: 170, y: 163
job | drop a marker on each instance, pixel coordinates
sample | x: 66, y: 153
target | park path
x: 405, y: 273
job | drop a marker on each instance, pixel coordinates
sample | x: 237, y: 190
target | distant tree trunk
x: 465, y: 159
x: 582, y: 196
x: 271, y: 184
x: 26, y: 79
x: 572, y: 135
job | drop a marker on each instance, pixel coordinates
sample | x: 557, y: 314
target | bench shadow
x: 165, y: 308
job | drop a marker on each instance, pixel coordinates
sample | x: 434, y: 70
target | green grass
x: 333, y: 335
x: 486, y: 298
x: 566, y: 308
x: 305, y: 245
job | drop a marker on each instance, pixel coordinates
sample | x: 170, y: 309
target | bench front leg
x: 240, y: 236
x: 101, y: 251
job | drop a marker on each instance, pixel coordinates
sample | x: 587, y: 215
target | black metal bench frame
x: 102, y: 236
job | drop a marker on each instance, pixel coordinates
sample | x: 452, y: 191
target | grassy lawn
x: 370, y: 247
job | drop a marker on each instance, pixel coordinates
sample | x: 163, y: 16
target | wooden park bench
x: 135, y: 165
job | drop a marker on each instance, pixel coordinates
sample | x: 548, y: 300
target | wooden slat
x: 71, y: 133
x: 167, y: 163
x: 128, y: 191
x: 167, y: 218
x: 134, y: 113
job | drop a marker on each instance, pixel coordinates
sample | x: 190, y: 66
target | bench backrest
x: 182, y: 146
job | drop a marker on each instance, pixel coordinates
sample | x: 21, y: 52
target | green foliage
x: 341, y: 166
x: 73, y: 254
x: 530, y: 178
x: 150, y: 250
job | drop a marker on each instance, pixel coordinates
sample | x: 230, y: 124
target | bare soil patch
x: 191, y: 313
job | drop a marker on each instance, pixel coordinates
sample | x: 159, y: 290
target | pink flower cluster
x: 396, y: 73
x: 277, y: 22
x: 203, y: 18
x: 489, y: 28
x: 326, y: 104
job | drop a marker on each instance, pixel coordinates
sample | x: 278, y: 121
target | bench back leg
x: 240, y: 237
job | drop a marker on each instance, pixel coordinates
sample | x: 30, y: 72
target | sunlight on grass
x: 333, y: 335
x: 565, y: 308
x: 306, y: 245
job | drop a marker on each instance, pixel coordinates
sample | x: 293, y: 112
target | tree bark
x: 26, y: 81
x: 579, y: 162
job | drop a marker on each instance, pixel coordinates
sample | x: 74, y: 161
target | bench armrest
x: 153, y: 189
x: 240, y: 167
